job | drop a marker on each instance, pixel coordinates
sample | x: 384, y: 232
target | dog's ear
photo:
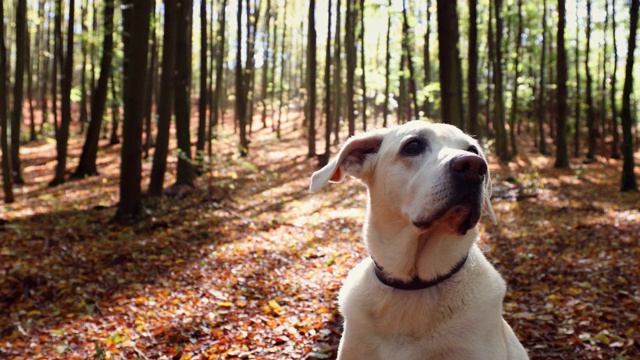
x: 350, y: 160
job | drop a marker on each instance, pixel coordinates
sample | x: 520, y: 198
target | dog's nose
x: 469, y: 167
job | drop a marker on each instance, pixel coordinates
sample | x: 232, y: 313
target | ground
x: 249, y: 264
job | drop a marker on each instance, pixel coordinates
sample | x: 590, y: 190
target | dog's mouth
x: 460, y: 214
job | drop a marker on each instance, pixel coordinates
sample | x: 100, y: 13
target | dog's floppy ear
x: 350, y: 160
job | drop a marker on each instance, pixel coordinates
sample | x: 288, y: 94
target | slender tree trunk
x: 185, y: 173
x: 282, y: 72
x: 407, y: 43
x: 7, y: 176
x: 136, y: 18
x: 501, y: 137
x: 84, y: 116
x: 152, y: 72
x: 217, y: 95
x: 44, y: 75
x: 427, y: 54
x: 311, y: 78
x: 165, y: 100
x: 202, y: 102
x: 514, y: 95
x: 450, y: 78
x: 115, y: 112
x: 542, y: 98
x: 57, y: 63
x: 562, y: 158
x: 628, y: 180
x: 350, y: 50
x: 337, y: 75
x: 591, y: 115
x: 32, y: 117
x: 615, y: 144
x: 387, y: 68
x: 327, y: 93
x: 472, y: 77
x: 18, y: 89
x: 241, y: 103
x: 578, y: 100
x: 363, y: 78
x: 87, y: 165
x: 265, y: 66
x: 490, y: 60
x: 65, y: 106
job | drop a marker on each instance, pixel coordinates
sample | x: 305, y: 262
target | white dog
x: 426, y: 291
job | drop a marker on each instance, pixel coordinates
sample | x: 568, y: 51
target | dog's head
x: 420, y: 173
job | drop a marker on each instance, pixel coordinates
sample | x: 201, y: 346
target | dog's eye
x: 414, y: 147
x: 473, y: 149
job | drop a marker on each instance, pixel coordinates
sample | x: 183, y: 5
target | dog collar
x: 416, y: 283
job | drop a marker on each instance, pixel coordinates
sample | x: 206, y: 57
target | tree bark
x: 628, y: 179
x: 7, y: 176
x: 65, y: 103
x: 542, y: 96
x: 514, y: 95
x: 241, y: 103
x: 136, y: 18
x: 615, y: 144
x: 502, y: 149
x: 87, y: 164
x: 450, y: 78
x: 472, y: 77
x: 578, y: 100
x: 185, y: 173
x: 363, y: 78
x: 350, y: 50
x: 591, y: 114
x: 387, y: 69
x: 407, y: 45
x: 18, y: 89
x: 337, y: 75
x: 165, y: 101
x: 327, y: 93
x: 427, y: 56
x: 217, y: 94
x: 311, y: 79
x: 562, y: 158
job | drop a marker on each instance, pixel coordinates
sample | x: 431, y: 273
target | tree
x: 516, y: 86
x: 202, y: 101
x: 628, y: 181
x: 186, y: 172
x: 136, y: 21
x: 62, y: 137
x: 542, y: 95
x: 578, y: 102
x: 387, y: 69
x: 407, y: 45
x: 472, y: 76
x: 165, y: 101
x: 7, y: 176
x: 363, y: 78
x: 241, y: 100
x: 501, y: 137
x: 615, y: 143
x: 350, y: 51
x: 311, y: 78
x: 562, y: 158
x: 87, y: 164
x: 591, y: 111
x: 427, y: 51
x: 217, y: 92
x: 450, y: 77
x: 324, y: 159
x: 337, y: 75
x: 18, y: 89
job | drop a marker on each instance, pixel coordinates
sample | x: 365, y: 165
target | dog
x: 426, y: 291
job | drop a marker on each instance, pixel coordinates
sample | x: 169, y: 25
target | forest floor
x: 249, y: 264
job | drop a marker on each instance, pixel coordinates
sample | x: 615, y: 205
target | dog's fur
x: 420, y: 222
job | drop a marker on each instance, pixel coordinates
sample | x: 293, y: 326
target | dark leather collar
x: 416, y: 283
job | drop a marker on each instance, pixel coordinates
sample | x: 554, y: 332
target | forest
x: 156, y: 157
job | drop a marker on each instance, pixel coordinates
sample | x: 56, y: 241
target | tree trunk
x: 32, y: 117
x: 350, y: 49
x: 165, y: 101
x: 115, y: 113
x: 327, y: 93
x: 87, y: 165
x: 65, y: 103
x: 472, y: 77
x: 186, y: 172
x: 615, y: 144
x: 427, y: 54
x: 514, y: 95
x: 562, y: 158
x: 591, y: 114
x: 387, y: 69
x: 202, y: 101
x: 450, y: 78
x: 7, y: 176
x: 407, y: 45
x: 542, y: 97
x: 578, y: 100
x: 18, y: 89
x: 84, y: 116
x: 501, y: 137
x: 628, y: 180
x: 282, y: 70
x: 152, y: 73
x: 136, y: 18
x: 311, y: 79
x: 337, y: 75
x: 241, y: 103
x: 363, y: 78
x: 265, y: 66
x: 215, y: 106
